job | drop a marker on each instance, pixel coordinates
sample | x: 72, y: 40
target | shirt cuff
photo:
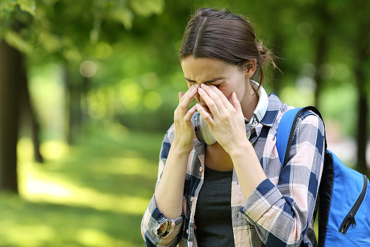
x: 166, y: 227
x: 158, y: 229
x: 260, y: 201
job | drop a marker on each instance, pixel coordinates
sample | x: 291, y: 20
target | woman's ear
x: 250, y: 68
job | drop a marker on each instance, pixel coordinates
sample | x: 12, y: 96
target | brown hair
x: 223, y: 35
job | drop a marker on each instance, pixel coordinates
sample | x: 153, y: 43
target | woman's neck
x: 217, y: 158
x: 249, y: 104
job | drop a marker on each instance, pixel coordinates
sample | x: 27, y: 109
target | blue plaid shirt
x: 280, y: 210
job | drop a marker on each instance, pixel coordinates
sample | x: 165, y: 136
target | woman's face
x: 226, y: 77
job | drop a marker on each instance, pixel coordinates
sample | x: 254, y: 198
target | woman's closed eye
x: 216, y: 85
x: 191, y: 84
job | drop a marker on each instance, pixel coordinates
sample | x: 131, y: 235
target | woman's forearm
x: 247, y: 167
x: 169, y: 193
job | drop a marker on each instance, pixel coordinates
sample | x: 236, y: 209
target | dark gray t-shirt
x: 213, y: 213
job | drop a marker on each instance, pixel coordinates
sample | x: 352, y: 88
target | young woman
x: 232, y: 192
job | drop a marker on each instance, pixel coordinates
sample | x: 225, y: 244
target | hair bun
x: 266, y: 54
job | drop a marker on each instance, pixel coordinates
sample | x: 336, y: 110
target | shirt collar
x: 272, y: 110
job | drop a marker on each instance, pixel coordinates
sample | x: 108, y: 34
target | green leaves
x: 15, y: 40
x: 69, y: 29
x: 147, y: 7
x: 27, y: 6
x: 8, y: 6
x: 122, y: 15
x: 15, y: 16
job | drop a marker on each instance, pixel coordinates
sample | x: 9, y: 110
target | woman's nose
x: 198, y: 98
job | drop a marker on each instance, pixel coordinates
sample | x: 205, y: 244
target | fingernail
x: 194, y: 90
x: 200, y: 90
x: 203, y: 85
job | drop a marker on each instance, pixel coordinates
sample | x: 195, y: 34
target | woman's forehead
x: 205, y: 66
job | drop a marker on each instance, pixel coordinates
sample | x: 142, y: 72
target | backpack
x: 344, y: 197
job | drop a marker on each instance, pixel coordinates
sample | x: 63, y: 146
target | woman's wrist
x: 239, y: 147
x: 180, y: 148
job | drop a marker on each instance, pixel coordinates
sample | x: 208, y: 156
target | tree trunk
x: 28, y: 117
x: 11, y: 69
x: 362, y: 131
x: 36, y: 138
x: 361, y: 51
x: 322, y: 44
x: 73, y: 106
x: 362, y: 121
x: 321, y: 50
x: 84, y: 103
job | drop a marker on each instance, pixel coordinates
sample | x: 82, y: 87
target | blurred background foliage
x: 88, y: 88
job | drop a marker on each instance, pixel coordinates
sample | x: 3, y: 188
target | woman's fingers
x: 220, y: 95
x: 205, y: 115
x: 184, y: 130
x: 222, y: 103
x: 213, y: 102
x: 236, y: 103
x: 190, y: 113
x: 186, y: 98
x: 180, y: 95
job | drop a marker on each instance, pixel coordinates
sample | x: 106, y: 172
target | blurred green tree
x: 319, y: 34
x: 15, y: 20
x: 359, y: 42
x: 64, y: 30
x: 73, y: 35
x: 120, y: 57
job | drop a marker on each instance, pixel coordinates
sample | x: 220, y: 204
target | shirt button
x: 200, y: 169
x: 192, y: 198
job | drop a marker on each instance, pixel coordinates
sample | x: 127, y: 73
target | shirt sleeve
x: 156, y: 229
x: 282, y: 213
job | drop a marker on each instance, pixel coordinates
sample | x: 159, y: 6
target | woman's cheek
x: 228, y: 95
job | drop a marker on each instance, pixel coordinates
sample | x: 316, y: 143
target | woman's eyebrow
x: 210, y: 81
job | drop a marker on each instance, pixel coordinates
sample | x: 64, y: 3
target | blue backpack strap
x: 285, y: 132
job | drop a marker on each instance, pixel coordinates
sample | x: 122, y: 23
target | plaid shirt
x: 279, y: 211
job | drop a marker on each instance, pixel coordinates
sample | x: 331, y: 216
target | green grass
x: 91, y: 194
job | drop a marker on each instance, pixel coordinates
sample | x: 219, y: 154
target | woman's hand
x: 169, y: 201
x: 184, y: 128
x: 226, y: 121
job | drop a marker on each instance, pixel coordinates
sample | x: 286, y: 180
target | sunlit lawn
x: 91, y: 194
